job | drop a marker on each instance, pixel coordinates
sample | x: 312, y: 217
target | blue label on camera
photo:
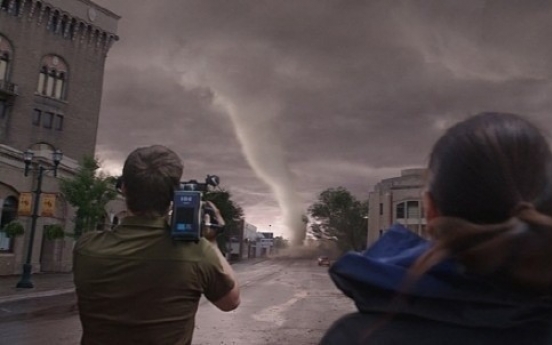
x: 184, y: 227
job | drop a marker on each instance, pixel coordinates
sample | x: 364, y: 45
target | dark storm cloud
x: 354, y: 90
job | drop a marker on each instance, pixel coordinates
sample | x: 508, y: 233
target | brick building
x: 52, y: 57
x: 397, y: 200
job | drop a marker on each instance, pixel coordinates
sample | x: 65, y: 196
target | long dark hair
x: 490, y: 179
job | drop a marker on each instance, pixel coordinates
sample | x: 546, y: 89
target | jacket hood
x: 376, y: 278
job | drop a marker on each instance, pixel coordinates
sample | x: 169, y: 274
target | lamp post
x: 28, y: 156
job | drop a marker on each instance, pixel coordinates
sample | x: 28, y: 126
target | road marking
x: 275, y: 314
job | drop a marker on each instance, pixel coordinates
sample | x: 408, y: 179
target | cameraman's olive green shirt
x: 135, y: 285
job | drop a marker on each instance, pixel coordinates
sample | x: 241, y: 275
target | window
x: 58, y: 122
x: 9, y: 213
x: 64, y: 25
x: 38, y: 9
x: 45, y: 16
x: 47, y: 120
x: 18, y: 8
x: 72, y: 28
x: 3, y: 109
x: 6, y: 52
x: 59, y: 85
x: 36, y: 117
x: 408, y: 209
x: 52, y: 79
x: 4, y: 65
x: 41, y: 80
x: 413, y: 209
x: 54, y: 22
x: 400, y: 210
x: 381, y: 209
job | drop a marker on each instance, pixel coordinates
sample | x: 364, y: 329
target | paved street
x: 283, y: 302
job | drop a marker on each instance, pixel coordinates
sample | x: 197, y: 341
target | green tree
x: 88, y: 191
x: 338, y: 216
x: 230, y: 211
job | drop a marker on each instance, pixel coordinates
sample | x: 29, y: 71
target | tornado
x: 256, y: 126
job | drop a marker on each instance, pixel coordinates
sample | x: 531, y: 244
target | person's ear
x: 431, y: 210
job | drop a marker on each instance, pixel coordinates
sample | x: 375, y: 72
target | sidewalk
x: 45, y: 284
x: 53, y: 293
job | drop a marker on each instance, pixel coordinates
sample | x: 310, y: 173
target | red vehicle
x: 324, y: 261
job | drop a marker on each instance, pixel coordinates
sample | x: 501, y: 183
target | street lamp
x: 28, y: 156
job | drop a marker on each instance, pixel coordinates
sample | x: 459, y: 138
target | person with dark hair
x: 485, y: 275
x: 135, y: 284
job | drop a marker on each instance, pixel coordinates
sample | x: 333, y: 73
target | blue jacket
x: 445, y: 306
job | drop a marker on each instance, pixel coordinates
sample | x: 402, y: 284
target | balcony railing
x: 8, y: 87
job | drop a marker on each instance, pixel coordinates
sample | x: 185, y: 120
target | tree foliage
x: 89, y: 192
x: 231, y: 212
x: 13, y: 229
x: 338, y: 216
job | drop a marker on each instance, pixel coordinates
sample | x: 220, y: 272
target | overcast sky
x: 311, y: 94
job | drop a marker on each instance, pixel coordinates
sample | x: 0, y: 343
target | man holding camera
x: 135, y: 284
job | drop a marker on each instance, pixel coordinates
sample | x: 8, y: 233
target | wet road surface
x: 283, y: 302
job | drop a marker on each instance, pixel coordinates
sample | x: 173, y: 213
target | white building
x: 397, y: 200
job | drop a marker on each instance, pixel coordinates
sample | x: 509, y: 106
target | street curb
x: 15, y: 298
x: 38, y: 306
x: 51, y: 303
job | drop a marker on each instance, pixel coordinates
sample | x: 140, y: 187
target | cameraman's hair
x: 490, y: 178
x: 150, y: 176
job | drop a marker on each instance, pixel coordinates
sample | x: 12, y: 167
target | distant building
x: 256, y: 244
x: 268, y: 235
x: 52, y: 58
x: 397, y: 200
x: 265, y: 243
x: 249, y: 243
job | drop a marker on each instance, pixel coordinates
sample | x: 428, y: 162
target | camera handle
x: 212, y: 220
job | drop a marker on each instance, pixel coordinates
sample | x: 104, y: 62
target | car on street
x: 324, y: 261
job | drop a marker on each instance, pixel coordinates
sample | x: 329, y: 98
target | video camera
x: 189, y: 211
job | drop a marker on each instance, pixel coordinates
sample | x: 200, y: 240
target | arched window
x: 88, y: 35
x: 52, y: 78
x: 53, y: 26
x: 4, y: 59
x: 37, y: 9
x: 5, y: 54
x: 17, y: 8
x: 64, y: 25
x: 72, y: 29
x: 44, y: 16
x: 408, y: 210
x: 60, y: 85
x: 81, y: 31
x: 42, y: 80
x: 9, y: 213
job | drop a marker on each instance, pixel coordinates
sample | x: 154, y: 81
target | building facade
x: 397, y: 200
x: 52, y: 58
